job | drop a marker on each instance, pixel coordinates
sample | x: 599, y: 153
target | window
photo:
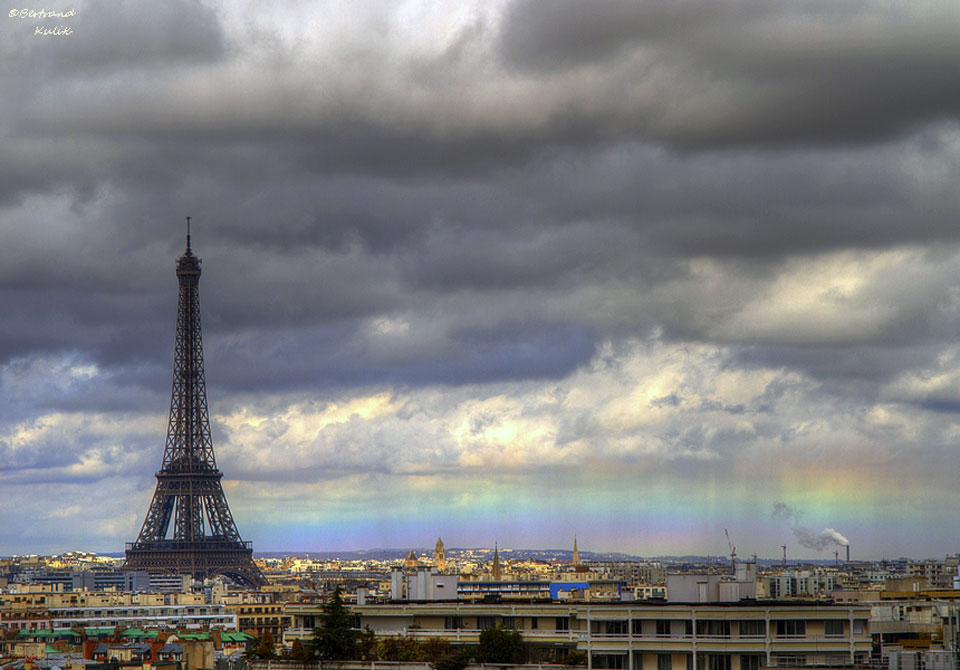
x: 562, y: 623
x: 753, y: 628
x: 533, y: 623
x: 637, y: 627
x: 718, y: 662
x: 833, y: 627
x: 509, y: 622
x: 485, y: 622
x: 791, y: 628
x: 858, y: 626
x: 663, y: 628
x: 713, y: 628
x: 751, y: 661
x: 453, y: 622
x: 664, y: 662
x: 608, y: 627
x: 609, y: 661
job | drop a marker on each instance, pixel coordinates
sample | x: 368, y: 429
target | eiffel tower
x: 188, y: 484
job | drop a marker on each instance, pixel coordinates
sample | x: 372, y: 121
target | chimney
x: 848, y: 553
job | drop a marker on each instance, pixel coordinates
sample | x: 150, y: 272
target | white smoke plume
x: 806, y: 537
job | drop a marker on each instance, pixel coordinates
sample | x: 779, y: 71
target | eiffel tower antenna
x: 205, y: 539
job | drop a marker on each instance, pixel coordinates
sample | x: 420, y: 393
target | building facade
x: 744, y: 635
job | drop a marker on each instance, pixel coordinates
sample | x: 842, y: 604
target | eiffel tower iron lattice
x: 205, y: 539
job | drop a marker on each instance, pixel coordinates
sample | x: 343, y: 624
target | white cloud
x: 836, y: 297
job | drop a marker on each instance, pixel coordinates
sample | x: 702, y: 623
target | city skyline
x: 643, y: 273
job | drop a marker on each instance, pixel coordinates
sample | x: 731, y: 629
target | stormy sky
x: 639, y: 271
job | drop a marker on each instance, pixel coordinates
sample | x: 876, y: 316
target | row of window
x: 560, y: 623
x: 719, y: 628
x: 720, y: 661
x: 665, y: 662
x: 135, y: 611
x: 667, y: 627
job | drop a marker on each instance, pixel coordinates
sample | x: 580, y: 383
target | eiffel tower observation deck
x: 205, y: 541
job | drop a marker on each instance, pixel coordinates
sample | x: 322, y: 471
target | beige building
x: 259, y: 618
x: 744, y: 635
x: 36, y: 606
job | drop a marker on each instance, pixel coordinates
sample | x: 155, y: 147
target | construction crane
x: 733, y: 549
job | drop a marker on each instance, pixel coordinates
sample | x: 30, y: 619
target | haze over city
x: 506, y: 271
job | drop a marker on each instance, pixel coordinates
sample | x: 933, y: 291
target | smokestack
x: 848, y: 553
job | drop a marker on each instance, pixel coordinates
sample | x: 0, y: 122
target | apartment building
x: 40, y: 606
x: 803, y: 583
x: 144, y: 616
x: 631, y: 572
x: 259, y: 618
x: 743, y: 635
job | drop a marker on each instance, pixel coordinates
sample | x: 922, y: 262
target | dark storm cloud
x: 338, y: 357
x: 462, y: 257
x: 568, y: 33
x: 753, y: 72
x: 730, y: 74
x: 512, y: 218
x: 750, y: 204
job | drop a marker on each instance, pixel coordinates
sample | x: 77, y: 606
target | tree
x: 500, y: 645
x: 264, y: 647
x: 335, y: 639
x: 367, y: 644
x: 403, y: 649
x: 452, y: 661
x: 435, y: 649
x: 299, y: 652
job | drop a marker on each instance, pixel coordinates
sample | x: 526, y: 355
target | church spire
x: 576, y: 553
x: 439, y: 555
x: 496, y: 563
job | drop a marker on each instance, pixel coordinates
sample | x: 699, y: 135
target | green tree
x: 500, y: 645
x: 264, y: 647
x: 335, y: 639
x: 435, y: 649
x: 452, y: 661
x: 400, y: 649
x: 367, y: 644
x: 299, y: 652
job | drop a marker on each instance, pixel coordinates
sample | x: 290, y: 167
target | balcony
x: 807, y: 661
